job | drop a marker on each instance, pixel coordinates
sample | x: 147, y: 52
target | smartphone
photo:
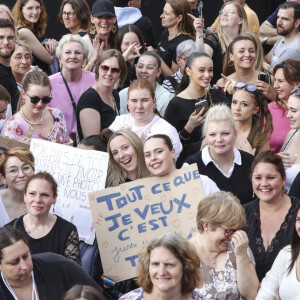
x: 265, y: 78
x: 200, y: 104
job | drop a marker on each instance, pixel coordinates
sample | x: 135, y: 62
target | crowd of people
x: 225, y: 97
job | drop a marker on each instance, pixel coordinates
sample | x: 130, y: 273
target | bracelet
x: 201, y: 35
x: 184, y: 135
x: 91, y: 64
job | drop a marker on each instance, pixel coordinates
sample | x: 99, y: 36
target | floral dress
x: 222, y: 284
x: 17, y: 128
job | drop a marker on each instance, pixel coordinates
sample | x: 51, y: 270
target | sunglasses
x: 105, y: 69
x: 36, y: 99
x: 249, y: 87
x: 295, y: 90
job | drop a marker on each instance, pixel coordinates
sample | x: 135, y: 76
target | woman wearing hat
x: 101, y: 32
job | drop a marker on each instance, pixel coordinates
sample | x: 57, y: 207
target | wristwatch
x: 264, y: 40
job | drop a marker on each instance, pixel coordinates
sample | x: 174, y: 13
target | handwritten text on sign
x: 77, y: 173
x: 128, y: 216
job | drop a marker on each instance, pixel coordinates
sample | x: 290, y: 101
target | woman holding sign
x: 160, y: 160
x: 16, y: 167
x: 168, y: 270
x: 44, y: 231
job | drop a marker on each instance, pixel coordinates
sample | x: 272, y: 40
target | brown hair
x: 183, y: 251
x: 4, y: 94
x: 80, y: 291
x: 121, y: 61
x: 39, y: 27
x: 220, y: 208
x: 24, y: 155
x: 44, y: 176
x: 269, y: 157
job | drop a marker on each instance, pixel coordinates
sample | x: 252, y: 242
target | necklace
x: 202, y: 97
x: 41, y: 121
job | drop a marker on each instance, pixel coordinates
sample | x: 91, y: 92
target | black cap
x: 103, y: 7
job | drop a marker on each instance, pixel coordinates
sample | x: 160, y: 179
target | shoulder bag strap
x: 70, y: 94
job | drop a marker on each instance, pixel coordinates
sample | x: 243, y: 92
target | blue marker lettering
x: 154, y: 225
x: 166, y: 186
x: 163, y: 220
x: 178, y: 181
x: 132, y: 260
x: 142, y: 227
x: 153, y: 189
x: 181, y: 203
x: 126, y: 220
x: 196, y: 174
x: 155, y: 209
x: 143, y: 214
x: 166, y: 212
x: 121, y: 237
x: 107, y: 199
x: 121, y: 202
x: 115, y: 221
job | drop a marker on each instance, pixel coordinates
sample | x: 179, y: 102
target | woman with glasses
x: 98, y: 106
x: 233, y: 22
x: 148, y: 67
x: 31, y: 18
x: 20, y: 62
x: 35, y: 119
x: 252, y: 117
x: 46, y: 232
x: 269, y: 217
x: 226, y: 259
x: 16, y: 167
x: 75, y: 15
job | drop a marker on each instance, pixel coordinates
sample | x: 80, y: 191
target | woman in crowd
x: 101, y: 32
x: 181, y: 111
x: 269, y: 224
x: 227, y: 166
x: 96, y: 142
x: 20, y: 62
x: 5, y: 106
x: 42, y: 276
x: 226, y: 259
x: 252, y: 118
x: 130, y: 41
x: 126, y: 158
x: 149, y: 67
x: 179, y: 27
x: 168, y: 255
x: 143, y: 118
x: 35, y: 120
x: 283, y: 276
x: 160, y: 160
x: 75, y: 15
x: 86, y: 292
x: 31, y: 17
x: 290, y: 151
x: 286, y: 75
x: 16, y: 167
x: 69, y: 84
x: 233, y: 22
x: 45, y: 231
x: 5, y: 13
x: 99, y: 105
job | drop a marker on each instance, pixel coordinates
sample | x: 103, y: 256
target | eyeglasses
x: 10, y: 38
x: 228, y: 12
x: 14, y: 171
x: 140, y: 67
x: 105, y: 69
x: 20, y: 57
x: 36, y: 99
x: 295, y: 90
x: 32, y: 8
x: 228, y: 232
x: 68, y: 14
x: 249, y: 87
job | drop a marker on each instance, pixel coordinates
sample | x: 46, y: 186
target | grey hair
x: 67, y: 38
x: 218, y: 113
x: 20, y: 43
x: 187, y: 48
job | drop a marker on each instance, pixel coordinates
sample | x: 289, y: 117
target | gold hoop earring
x: 93, y: 28
x: 114, y: 29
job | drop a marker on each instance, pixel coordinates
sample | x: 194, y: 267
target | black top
x: 54, y: 275
x: 213, y: 41
x: 146, y: 27
x: 91, y: 99
x: 62, y: 239
x: 167, y: 49
x: 295, y: 190
x: 7, y: 79
x: 265, y: 258
x: 238, y: 183
x: 180, y: 109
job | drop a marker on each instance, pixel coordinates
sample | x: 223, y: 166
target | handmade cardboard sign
x: 127, y: 217
x: 77, y: 173
x: 7, y: 144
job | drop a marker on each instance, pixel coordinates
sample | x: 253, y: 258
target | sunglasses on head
x: 36, y: 99
x: 105, y: 69
x: 249, y: 87
x: 295, y: 90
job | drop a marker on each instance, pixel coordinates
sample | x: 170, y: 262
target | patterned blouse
x: 222, y: 284
x: 17, y: 128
